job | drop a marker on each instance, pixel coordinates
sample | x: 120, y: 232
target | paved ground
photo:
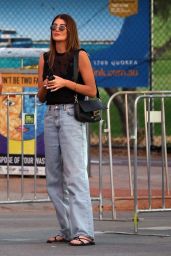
x: 24, y: 228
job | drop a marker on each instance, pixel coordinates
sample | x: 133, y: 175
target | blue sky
x: 33, y: 17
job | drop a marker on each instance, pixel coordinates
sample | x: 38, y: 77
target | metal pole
x: 135, y: 170
x: 100, y: 172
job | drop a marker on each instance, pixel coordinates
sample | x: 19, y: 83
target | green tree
x: 162, y: 28
x: 162, y: 8
x: 161, y: 45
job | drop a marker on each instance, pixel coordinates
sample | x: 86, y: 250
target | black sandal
x: 84, y: 241
x: 56, y: 239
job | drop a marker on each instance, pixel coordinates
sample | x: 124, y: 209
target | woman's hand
x: 55, y: 84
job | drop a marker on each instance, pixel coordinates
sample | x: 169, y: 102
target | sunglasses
x: 61, y: 27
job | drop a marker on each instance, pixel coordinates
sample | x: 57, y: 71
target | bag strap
x: 76, y: 52
x: 47, y: 71
x: 76, y: 65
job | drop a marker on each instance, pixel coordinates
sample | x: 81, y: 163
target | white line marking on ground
x: 156, y: 228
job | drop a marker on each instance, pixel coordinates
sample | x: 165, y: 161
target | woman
x: 65, y: 138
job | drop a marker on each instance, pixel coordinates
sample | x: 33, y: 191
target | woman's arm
x: 85, y: 68
x: 42, y: 91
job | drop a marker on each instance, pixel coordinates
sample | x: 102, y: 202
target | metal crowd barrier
x: 10, y: 172
x: 39, y: 194
x: 130, y: 137
x: 152, y: 116
x: 23, y: 195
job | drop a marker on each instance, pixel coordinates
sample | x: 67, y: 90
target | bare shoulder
x: 83, y: 53
x: 41, y: 57
x: 83, y: 57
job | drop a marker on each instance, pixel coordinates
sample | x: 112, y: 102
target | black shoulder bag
x: 88, y: 110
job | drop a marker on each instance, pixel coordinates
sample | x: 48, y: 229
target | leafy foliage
x: 162, y: 8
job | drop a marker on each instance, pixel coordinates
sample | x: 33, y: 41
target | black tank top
x: 63, y: 67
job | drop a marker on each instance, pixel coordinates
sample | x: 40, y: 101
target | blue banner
x: 126, y: 62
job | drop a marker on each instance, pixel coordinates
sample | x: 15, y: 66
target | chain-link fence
x: 161, y: 45
x: 25, y: 32
x: 26, y: 24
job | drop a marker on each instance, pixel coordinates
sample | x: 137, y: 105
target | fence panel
x: 157, y: 195
x: 22, y: 169
x: 144, y: 144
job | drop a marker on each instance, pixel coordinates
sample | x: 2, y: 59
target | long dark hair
x: 72, y: 37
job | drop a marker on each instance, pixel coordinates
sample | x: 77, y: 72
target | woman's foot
x: 56, y: 239
x: 81, y: 241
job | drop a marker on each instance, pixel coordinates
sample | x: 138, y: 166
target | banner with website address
x: 115, y: 33
x: 125, y: 62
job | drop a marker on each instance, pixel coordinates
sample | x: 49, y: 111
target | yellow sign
x: 28, y: 119
x: 123, y: 8
x: 21, y: 80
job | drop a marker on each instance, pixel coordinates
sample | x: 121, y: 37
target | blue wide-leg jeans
x: 66, y: 171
